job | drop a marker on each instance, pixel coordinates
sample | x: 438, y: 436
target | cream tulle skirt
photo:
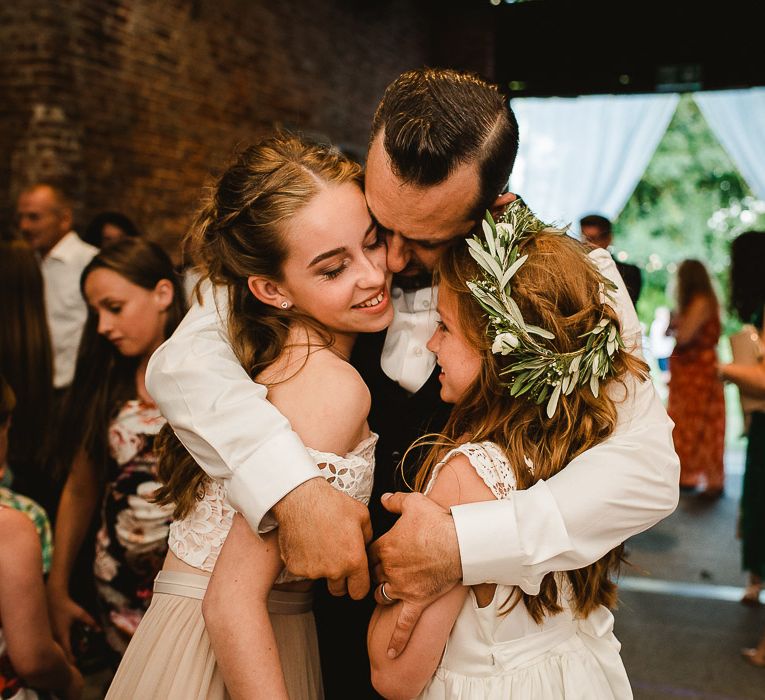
x: 170, y: 658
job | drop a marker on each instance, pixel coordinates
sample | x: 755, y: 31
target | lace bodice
x: 490, y: 463
x: 198, y: 538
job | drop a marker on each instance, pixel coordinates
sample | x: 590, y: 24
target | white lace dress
x: 198, y: 538
x: 495, y: 656
x: 170, y: 657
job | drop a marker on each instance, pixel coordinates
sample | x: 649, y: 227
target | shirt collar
x: 66, y: 248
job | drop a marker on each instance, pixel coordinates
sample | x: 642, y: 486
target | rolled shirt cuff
x: 279, y: 466
x: 509, y: 541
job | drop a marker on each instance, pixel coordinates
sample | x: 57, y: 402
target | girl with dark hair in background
x: 109, y: 423
x: 696, y: 401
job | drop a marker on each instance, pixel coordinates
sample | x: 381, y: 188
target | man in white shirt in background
x: 431, y: 173
x: 44, y: 219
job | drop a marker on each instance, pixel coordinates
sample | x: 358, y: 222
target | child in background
x: 109, y: 424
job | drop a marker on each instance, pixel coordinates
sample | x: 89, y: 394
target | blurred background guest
x: 30, y: 659
x: 598, y: 231
x: 27, y: 365
x: 109, y: 227
x: 44, y: 219
x: 747, y: 284
x: 696, y: 403
x: 106, y: 442
x: 10, y: 498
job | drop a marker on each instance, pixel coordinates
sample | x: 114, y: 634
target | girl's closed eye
x: 334, y: 272
x: 442, y: 326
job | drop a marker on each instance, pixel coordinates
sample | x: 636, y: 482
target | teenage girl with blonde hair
x: 298, y: 269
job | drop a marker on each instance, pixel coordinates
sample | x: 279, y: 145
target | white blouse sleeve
x: 609, y: 493
x: 222, y: 417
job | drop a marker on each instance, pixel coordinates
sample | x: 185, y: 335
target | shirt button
x: 426, y: 304
x: 395, y: 456
x: 418, y: 352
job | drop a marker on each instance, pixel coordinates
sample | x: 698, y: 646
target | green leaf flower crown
x: 537, y: 372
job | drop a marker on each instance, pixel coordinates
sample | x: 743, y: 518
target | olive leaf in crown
x: 537, y: 371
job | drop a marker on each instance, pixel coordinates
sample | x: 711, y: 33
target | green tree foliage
x: 690, y: 203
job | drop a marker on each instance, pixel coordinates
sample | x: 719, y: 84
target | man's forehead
x: 438, y: 212
x: 38, y: 198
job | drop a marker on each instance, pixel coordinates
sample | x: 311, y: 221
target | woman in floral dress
x: 108, y: 432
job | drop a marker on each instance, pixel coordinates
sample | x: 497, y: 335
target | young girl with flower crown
x: 532, y: 358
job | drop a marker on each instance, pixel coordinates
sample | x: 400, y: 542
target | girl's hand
x: 63, y: 613
x: 73, y: 691
x: 418, y: 559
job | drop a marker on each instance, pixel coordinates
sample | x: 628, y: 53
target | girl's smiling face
x: 460, y: 362
x: 335, y: 268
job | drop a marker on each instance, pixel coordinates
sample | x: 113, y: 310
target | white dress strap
x: 489, y: 462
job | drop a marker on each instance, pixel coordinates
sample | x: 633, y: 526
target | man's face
x: 594, y: 235
x: 419, y: 222
x: 41, y: 219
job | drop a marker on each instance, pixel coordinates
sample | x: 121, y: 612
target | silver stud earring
x: 285, y: 305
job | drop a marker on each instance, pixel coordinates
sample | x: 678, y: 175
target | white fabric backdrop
x: 737, y: 118
x: 586, y: 154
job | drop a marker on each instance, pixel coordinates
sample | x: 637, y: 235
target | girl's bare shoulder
x: 19, y: 536
x: 326, y: 401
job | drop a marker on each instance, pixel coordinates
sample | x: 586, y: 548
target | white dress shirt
x: 66, y: 309
x: 615, y: 490
x: 405, y: 359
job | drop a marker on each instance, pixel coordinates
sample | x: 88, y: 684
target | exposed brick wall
x: 130, y: 105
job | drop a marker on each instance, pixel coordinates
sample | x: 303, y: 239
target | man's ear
x: 502, y: 201
x: 66, y: 220
x: 267, y: 291
x: 164, y: 293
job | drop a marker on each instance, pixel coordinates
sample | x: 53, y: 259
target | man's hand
x: 418, y: 560
x: 323, y: 534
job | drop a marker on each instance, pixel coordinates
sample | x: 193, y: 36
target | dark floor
x: 680, y: 622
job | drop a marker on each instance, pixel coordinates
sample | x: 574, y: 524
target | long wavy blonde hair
x: 557, y: 288
x: 239, y: 233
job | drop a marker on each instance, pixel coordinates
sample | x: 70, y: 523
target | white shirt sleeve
x: 222, y: 417
x: 609, y: 493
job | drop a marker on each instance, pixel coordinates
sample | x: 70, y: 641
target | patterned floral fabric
x: 132, y: 541
x: 37, y: 515
x: 697, y: 406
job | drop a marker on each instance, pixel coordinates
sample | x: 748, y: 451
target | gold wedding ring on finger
x: 385, y: 596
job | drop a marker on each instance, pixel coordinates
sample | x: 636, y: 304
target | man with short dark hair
x: 597, y: 231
